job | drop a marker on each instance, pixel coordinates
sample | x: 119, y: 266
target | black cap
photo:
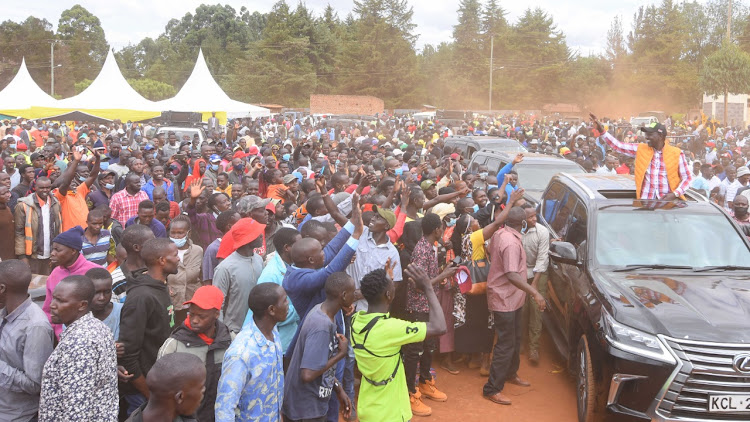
x: 655, y: 127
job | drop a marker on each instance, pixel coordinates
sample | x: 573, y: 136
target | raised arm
x: 95, y: 170
x: 70, y: 172
x: 436, y: 325
x: 491, y: 228
x: 336, y: 214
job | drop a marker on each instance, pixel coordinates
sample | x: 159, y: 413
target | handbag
x: 480, y: 271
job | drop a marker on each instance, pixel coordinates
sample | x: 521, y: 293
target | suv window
x: 478, y: 161
x: 493, y: 166
x: 577, y: 230
x: 552, y: 201
x: 560, y: 209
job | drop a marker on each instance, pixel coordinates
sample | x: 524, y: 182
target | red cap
x: 271, y: 207
x: 207, y: 297
x: 22, y: 147
x: 243, y: 232
x: 454, y: 156
x: 253, y: 150
x: 239, y: 154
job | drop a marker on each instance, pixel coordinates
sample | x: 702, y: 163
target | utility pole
x: 492, y: 48
x: 52, y: 69
x: 729, y: 21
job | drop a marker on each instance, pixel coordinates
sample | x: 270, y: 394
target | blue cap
x: 298, y: 175
x: 148, y: 147
x: 214, y: 157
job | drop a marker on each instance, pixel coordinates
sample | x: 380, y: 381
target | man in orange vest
x: 661, y: 170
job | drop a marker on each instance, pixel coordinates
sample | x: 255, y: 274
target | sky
x: 584, y: 22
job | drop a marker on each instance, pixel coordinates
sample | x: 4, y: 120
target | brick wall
x: 345, y: 104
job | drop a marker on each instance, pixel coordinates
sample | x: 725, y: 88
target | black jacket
x: 146, y: 320
x: 213, y: 360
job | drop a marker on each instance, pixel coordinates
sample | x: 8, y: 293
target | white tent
x: 202, y: 94
x: 22, y: 93
x: 109, y: 91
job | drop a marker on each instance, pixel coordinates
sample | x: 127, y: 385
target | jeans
x: 507, y: 350
x: 417, y: 353
x: 532, y: 316
x: 134, y: 401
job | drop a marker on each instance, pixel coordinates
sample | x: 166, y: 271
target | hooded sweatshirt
x: 79, y: 267
x: 146, y: 321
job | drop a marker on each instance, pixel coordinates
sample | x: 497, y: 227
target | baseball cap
x: 387, y: 214
x: 207, y: 297
x: 21, y: 146
x: 454, y: 156
x: 443, y: 210
x: 214, y: 158
x: 427, y: 184
x: 654, y: 127
x: 289, y: 178
x: 743, y: 171
x: 251, y: 202
x: 564, y: 150
x: 243, y: 232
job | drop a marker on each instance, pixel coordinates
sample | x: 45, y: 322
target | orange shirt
x: 276, y: 191
x: 73, y: 207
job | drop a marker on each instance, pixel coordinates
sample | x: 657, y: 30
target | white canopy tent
x: 22, y: 93
x: 202, y: 94
x: 109, y: 91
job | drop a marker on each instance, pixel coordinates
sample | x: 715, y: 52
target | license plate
x: 733, y: 403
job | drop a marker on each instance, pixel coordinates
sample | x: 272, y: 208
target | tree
x: 82, y: 33
x: 153, y: 90
x: 468, y: 51
x: 30, y: 40
x: 727, y: 71
x: 82, y: 85
x: 615, y: 41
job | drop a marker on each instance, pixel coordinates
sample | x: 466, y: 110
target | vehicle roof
x: 179, y: 128
x: 618, y: 191
x: 527, y: 156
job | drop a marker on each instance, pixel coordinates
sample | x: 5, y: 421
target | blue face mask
x: 286, y: 157
x: 81, y: 178
x: 215, y: 167
x: 109, y: 186
x: 239, y: 167
x: 451, y: 222
x: 524, y: 227
x: 399, y: 171
x: 338, y: 162
x: 476, y: 207
x: 179, y: 242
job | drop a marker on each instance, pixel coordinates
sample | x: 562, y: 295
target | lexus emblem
x: 742, y: 363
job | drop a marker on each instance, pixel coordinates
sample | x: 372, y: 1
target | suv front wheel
x: 585, y: 382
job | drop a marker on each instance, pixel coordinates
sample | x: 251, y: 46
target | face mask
x: 476, y: 207
x: 740, y: 211
x: 338, y: 162
x: 179, y: 242
x: 286, y: 157
x: 81, y: 178
x: 483, y: 174
x: 12, y: 146
x: 99, y: 133
x: 215, y: 167
x: 239, y: 167
x: 109, y: 186
x: 524, y: 227
x: 451, y: 222
x: 399, y: 171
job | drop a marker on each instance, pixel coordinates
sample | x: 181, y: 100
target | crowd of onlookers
x: 280, y: 267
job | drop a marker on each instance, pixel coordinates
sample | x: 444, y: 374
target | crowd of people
x: 283, y: 269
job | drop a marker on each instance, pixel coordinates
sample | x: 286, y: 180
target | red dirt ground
x: 551, y: 396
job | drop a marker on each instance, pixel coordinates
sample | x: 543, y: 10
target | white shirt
x: 46, y: 249
x: 15, y: 178
x: 604, y: 170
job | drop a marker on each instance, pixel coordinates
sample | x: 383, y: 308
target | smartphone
x: 179, y: 156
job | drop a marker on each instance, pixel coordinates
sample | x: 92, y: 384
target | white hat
x: 743, y: 171
x: 398, y: 152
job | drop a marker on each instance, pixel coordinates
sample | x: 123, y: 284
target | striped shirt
x: 119, y: 283
x: 97, y: 253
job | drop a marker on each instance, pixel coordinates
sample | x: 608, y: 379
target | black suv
x: 468, y: 145
x: 649, y: 302
x: 534, y: 172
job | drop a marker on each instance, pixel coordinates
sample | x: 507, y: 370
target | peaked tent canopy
x: 202, y: 94
x: 22, y: 93
x: 109, y: 96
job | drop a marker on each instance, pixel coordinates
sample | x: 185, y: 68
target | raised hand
x: 518, y: 159
x: 419, y: 276
x: 515, y: 196
x: 320, y: 185
x: 597, y: 123
x: 196, y: 189
x: 389, y: 268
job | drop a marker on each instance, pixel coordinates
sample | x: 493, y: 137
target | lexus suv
x: 649, y: 302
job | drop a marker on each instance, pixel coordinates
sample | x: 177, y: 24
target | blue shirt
x: 251, y: 387
x: 156, y: 226
x: 699, y: 183
x: 149, y: 186
x: 274, y: 273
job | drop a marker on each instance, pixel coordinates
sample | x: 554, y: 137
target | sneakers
x: 534, y: 357
x: 418, y: 408
x: 428, y: 390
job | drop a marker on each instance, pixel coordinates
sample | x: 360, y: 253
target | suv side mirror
x: 563, y: 252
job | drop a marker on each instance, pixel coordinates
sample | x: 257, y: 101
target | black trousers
x: 414, y: 354
x: 506, y: 353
